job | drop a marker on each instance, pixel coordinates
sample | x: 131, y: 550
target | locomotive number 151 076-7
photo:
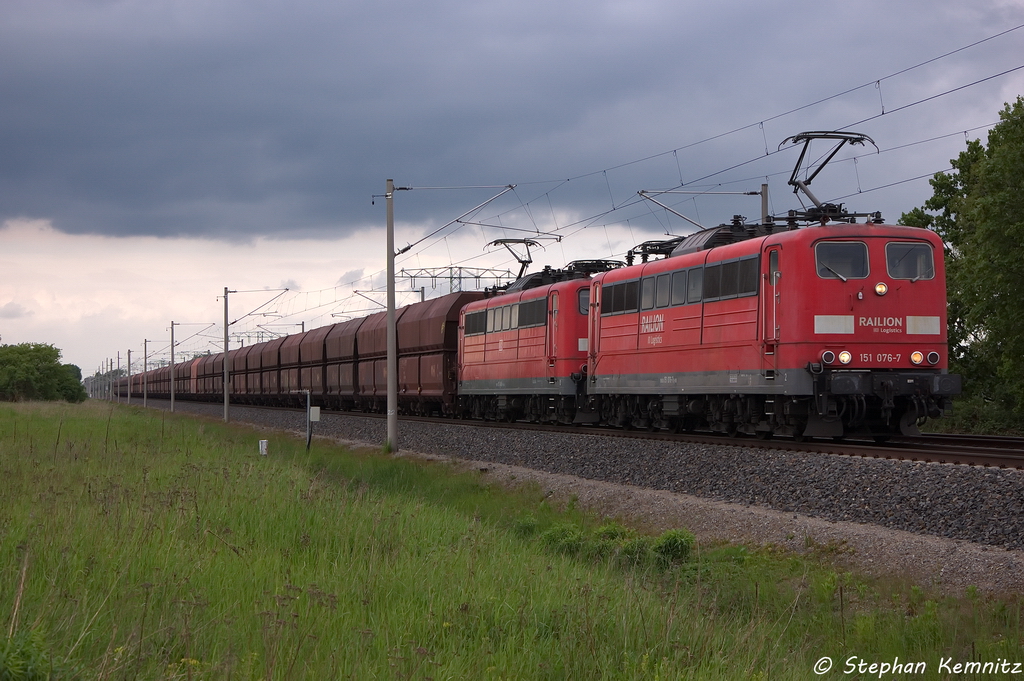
x: 880, y: 357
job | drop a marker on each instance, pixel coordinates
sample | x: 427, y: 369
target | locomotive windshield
x: 911, y: 261
x: 841, y: 259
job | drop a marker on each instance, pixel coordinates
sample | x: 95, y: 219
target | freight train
x: 834, y: 329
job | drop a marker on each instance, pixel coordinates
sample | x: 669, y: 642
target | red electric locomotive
x: 522, y: 354
x: 820, y: 331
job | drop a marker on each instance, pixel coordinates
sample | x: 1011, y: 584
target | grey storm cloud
x: 350, y: 277
x: 236, y: 119
x: 13, y: 310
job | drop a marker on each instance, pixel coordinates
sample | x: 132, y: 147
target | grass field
x: 144, y: 545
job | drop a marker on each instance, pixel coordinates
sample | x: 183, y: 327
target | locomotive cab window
x: 841, y: 259
x: 583, y: 299
x: 911, y: 261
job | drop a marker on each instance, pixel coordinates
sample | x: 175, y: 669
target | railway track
x: 972, y: 450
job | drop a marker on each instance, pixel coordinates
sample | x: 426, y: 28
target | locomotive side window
x: 664, y: 290
x: 712, y: 281
x: 631, y: 296
x: 679, y: 287
x: 618, y: 298
x: 841, y: 259
x: 749, y: 269
x: 695, y: 286
x: 647, y: 294
x: 533, y: 313
x: 621, y: 297
x: 730, y: 280
x: 911, y: 261
x: 508, y: 317
x: 476, y: 323
x: 583, y: 299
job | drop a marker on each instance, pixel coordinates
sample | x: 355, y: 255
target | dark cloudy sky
x: 226, y: 122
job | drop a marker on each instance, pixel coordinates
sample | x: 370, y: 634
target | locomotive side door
x: 594, y: 325
x: 770, y: 323
x: 552, y: 334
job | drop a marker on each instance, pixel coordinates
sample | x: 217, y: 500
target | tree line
x: 978, y: 210
x: 33, y: 371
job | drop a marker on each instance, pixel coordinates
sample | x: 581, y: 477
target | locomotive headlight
x: 828, y: 357
x: 881, y: 288
x: 933, y: 357
x: 845, y: 357
x: 917, y: 357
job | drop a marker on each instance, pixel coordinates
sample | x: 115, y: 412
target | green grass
x: 144, y: 545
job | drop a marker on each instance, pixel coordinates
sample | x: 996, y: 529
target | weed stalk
x: 17, y: 599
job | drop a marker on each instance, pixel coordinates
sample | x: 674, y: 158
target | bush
x: 673, y: 546
x: 636, y: 551
x: 612, y: 541
x: 564, y: 538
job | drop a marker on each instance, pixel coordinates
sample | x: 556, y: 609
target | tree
x: 70, y: 384
x: 32, y: 371
x: 980, y: 215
